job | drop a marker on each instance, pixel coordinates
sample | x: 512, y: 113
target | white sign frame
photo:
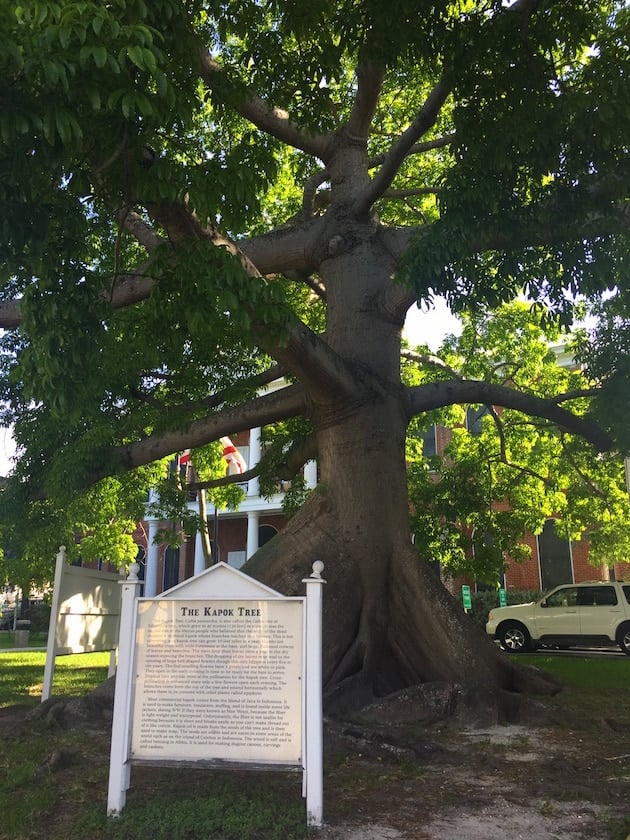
x: 84, y: 615
x: 222, y: 587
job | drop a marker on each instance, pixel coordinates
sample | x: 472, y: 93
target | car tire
x: 623, y: 638
x: 514, y: 637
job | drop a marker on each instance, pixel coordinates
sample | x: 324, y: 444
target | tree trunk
x: 389, y: 622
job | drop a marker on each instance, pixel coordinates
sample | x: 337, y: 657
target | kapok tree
x: 199, y: 197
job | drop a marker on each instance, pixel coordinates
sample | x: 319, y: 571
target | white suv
x: 593, y: 613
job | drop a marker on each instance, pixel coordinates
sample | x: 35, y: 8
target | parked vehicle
x: 591, y: 613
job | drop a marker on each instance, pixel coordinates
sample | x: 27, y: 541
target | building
x: 234, y: 535
x: 554, y: 558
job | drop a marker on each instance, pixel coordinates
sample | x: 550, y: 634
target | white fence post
x: 49, y: 668
x: 119, y: 769
x: 314, y: 760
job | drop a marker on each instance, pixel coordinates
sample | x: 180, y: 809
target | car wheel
x: 623, y: 638
x: 514, y: 637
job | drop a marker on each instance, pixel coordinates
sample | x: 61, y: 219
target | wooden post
x: 314, y: 746
x: 119, y: 768
x: 49, y: 668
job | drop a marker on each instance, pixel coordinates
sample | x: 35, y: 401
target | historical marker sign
x: 220, y: 670
x: 218, y: 679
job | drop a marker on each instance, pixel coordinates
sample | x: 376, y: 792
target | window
x: 141, y: 560
x: 597, y: 596
x: 606, y: 597
x: 554, y: 554
x: 265, y: 533
x: 171, y: 568
x: 567, y: 597
x: 429, y: 442
x: 236, y: 558
x: 474, y: 416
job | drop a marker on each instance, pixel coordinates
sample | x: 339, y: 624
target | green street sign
x: 467, y: 600
x: 502, y: 598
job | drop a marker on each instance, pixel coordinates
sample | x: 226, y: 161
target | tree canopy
x: 503, y: 474
x: 199, y: 197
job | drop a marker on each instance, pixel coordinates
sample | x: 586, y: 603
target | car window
x: 626, y: 592
x: 605, y: 596
x: 566, y: 597
x: 597, y: 596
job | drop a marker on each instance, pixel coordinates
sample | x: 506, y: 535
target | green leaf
x: 100, y: 55
x: 136, y: 54
x: 65, y: 34
x: 97, y: 23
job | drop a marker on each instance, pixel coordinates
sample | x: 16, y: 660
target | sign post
x: 220, y: 671
x: 313, y: 764
x: 119, y: 767
x: 84, y: 615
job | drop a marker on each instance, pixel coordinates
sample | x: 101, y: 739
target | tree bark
x: 388, y: 620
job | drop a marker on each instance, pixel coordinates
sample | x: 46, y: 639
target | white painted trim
x: 119, y: 766
x: 49, y: 668
x: 314, y: 737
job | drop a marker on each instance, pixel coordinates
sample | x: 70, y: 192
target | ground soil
x: 393, y: 774
x: 555, y: 774
x: 493, y: 783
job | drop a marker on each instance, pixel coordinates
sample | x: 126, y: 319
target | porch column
x: 200, y: 560
x: 252, y: 533
x: 151, y: 568
x: 310, y: 474
x: 253, y: 486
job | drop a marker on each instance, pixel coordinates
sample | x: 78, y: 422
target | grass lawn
x: 22, y: 675
x: 597, y: 674
x: 596, y: 680
x: 7, y: 640
x: 53, y: 781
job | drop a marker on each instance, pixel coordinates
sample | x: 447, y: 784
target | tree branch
x: 285, y: 250
x: 369, y: 83
x: 411, y: 193
x: 125, y: 290
x: 269, y: 408
x: 273, y: 121
x: 417, y: 148
x: 303, y: 451
x: 317, y: 288
x: 576, y: 395
x: 314, y: 363
x: 141, y: 231
x: 521, y: 471
x: 595, y: 490
x: 268, y: 376
x: 425, y: 119
x: 226, y: 480
x: 439, y: 394
x: 10, y: 314
x: 500, y: 431
x: 310, y: 190
x: 429, y: 359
